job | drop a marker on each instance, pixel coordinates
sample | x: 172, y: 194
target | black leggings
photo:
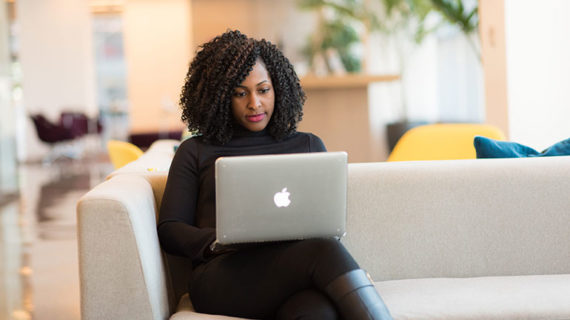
x: 281, y: 280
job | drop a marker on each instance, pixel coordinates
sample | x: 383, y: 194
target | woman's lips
x: 256, y: 117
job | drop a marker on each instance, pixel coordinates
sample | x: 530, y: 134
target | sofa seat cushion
x: 186, y: 311
x: 510, y: 297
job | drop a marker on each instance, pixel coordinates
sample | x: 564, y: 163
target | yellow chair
x: 122, y: 152
x: 442, y: 141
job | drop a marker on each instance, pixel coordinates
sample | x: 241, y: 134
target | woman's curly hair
x: 218, y: 68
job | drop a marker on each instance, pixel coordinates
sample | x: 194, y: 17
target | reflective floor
x: 38, y: 248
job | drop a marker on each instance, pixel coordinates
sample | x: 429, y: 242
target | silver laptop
x: 280, y: 197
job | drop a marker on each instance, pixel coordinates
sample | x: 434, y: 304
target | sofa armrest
x: 156, y: 160
x: 122, y: 271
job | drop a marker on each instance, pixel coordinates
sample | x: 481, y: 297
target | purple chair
x: 79, y: 124
x: 49, y: 132
x: 60, y: 136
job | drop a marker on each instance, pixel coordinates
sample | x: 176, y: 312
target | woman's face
x: 253, y: 99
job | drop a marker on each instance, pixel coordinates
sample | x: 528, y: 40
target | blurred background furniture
x: 79, y: 124
x: 122, y: 152
x: 144, y: 140
x: 63, y: 137
x: 56, y: 136
x: 443, y: 141
x: 49, y: 132
x: 338, y: 110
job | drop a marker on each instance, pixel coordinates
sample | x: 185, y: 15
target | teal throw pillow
x: 490, y: 148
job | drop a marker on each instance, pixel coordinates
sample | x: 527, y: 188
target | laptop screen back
x: 280, y: 197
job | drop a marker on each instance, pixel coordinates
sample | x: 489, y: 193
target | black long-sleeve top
x: 187, y: 220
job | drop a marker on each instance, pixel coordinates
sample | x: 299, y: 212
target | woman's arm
x: 177, y: 232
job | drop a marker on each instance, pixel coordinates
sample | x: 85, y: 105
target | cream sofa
x: 461, y: 239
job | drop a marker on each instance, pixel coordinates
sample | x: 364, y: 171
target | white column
x: 55, y: 51
x: 538, y: 71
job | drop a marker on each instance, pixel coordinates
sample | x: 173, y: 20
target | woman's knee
x: 306, y: 305
x: 332, y: 251
x: 331, y: 259
x: 325, y: 246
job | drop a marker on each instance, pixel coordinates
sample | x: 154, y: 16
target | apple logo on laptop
x: 281, y: 198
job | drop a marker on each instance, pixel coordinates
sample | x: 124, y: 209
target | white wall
x: 57, y: 64
x: 538, y: 71
x: 442, y: 79
x: 459, y: 77
x: 158, y: 43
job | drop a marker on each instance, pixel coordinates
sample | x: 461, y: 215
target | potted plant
x: 405, y: 19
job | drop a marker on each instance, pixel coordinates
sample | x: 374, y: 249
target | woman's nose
x: 254, y: 102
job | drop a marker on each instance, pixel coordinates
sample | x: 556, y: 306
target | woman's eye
x: 239, y: 94
x: 264, y: 90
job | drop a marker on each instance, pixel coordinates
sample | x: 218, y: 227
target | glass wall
x: 111, y: 77
x: 7, y: 128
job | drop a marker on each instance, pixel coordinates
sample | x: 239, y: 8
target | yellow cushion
x: 442, y: 141
x: 122, y: 152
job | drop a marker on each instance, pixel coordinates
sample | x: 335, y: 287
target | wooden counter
x: 311, y: 82
x: 337, y: 110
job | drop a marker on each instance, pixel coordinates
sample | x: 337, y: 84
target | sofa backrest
x: 454, y: 218
x: 460, y: 218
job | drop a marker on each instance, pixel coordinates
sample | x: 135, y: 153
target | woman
x: 243, y: 97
